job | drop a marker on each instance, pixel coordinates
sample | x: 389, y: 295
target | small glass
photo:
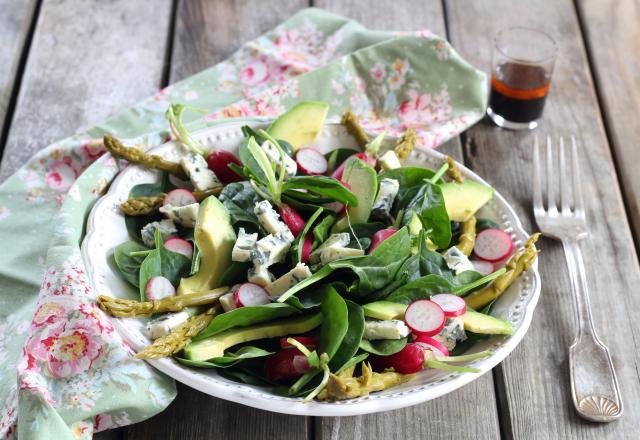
x: 523, y: 60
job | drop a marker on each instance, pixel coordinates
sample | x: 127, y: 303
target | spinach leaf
x: 319, y: 275
x: 352, y: 338
x: 324, y: 186
x: 247, y: 158
x: 162, y: 262
x: 229, y: 359
x: 365, y: 230
x: 485, y: 223
x: 420, y: 288
x: 408, y: 177
x: 240, y: 198
x: 245, y: 375
x: 296, y: 248
x: 322, y: 229
x: 134, y: 224
x: 246, y: 316
x: 428, y: 204
x: 336, y: 157
x: 353, y: 361
x: 236, y: 273
x: 465, y: 345
x: 129, y: 267
x: 383, y: 347
x: 335, y: 322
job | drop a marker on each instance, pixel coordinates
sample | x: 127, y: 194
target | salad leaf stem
x: 265, y: 165
x: 431, y: 363
x: 443, y: 169
x: 174, y: 117
x: 140, y: 253
x: 466, y: 357
x: 353, y: 361
x: 324, y: 359
x: 373, y: 147
x: 467, y: 287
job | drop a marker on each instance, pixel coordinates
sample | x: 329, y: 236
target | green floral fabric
x: 65, y: 372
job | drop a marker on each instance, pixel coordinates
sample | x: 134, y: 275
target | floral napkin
x: 65, y: 372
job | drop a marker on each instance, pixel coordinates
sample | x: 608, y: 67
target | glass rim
x: 551, y: 56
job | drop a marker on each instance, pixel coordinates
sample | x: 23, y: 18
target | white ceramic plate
x: 106, y: 229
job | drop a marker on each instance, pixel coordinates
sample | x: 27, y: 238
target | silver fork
x: 594, y: 386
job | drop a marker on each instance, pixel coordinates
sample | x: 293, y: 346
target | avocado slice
x: 384, y: 310
x: 300, y: 124
x: 463, y: 200
x: 216, y: 345
x: 480, y: 323
x: 363, y: 181
x: 215, y: 238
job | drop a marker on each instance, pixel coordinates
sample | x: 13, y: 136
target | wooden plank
x: 611, y: 29
x: 88, y: 59
x: 534, y: 378
x: 469, y: 413
x: 206, y: 33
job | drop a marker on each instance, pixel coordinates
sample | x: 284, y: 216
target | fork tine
x: 551, y: 192
x: 578, y: 202
x: 565, y: 196
x: 537, y: 185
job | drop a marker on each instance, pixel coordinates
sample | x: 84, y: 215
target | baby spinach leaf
x: 129, y: 266
x: 383, y: 347
x: 335, y: 322
x: 324, y: 186
x: 240, y: 199
x: 336, y: 157
x: 135, y: 223
x: 296, y: 248
x: 319, y: 275
x: 485, y: 223
x: 408, y: 177
x: 229, y: 359
x: 352, y: 337
x: 236, y: 273
x: 420, y: 288
x: 353, y: 361
x: 428, y: 204
x: 477, y: 282
x: 247, y: 159
x: 245, y: 375
x: 322, y: 229
x: 246, y: 316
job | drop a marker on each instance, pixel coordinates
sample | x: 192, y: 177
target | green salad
x: 326, y: 276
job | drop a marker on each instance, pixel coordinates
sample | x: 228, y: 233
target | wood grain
x: 611, y: 32
x: 88, y: 59
x: 534, y: 378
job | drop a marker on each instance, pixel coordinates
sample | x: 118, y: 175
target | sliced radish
x: 484, y: 268
x: 180, y: 246
x: 218, y: 162
x: 424, y: 317
x: 311, y: 161
x: 249, y: 294
x: 286, y: 365
x: 369, y: 160
x: 158, y: 288
x: 432, y: 344
x: 381, y: 236
x: 179, y: 197
x: 292, y: 219
x: 307, y: 341
x: 409, y: 360
x: 306, y: 248
x: 493, y: 245
x: 451, y: 305
x: 337, y: 207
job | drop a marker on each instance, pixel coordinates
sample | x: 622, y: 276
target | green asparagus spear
x: 135, y: 155
x: 406, y: 144
x: 142, y: 205
x: 350, y: 121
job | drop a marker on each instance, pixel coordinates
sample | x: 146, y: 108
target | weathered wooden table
x: 66, y: 64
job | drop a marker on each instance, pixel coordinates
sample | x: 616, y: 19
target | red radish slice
x: 424, y: 317
x: 306, y: 248
x: 311, y: 161
x: 493, y: 245
x: 409, y: 360
x: 179, y: 197
x: 380, y: 236
x: 337, y: 207
x: 484, y: 268
x: 292, y: 219
x: 218, y: 162
x: 432, y: 344
x: 307, y: 341
x: 158, y: 288
x: 249, y: 294
x: 286, y: 365
x: 180, y: 246
x: 369, y: 160
x: 451, y: 305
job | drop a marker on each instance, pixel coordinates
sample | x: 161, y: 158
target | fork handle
x: 594, y: 386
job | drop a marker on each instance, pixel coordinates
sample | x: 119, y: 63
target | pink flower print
x: 412, y: 111
x: 91, y: 150
x: 102, y: 422
x: 60, y: 176
x: 337, y: 87
x: 377, y: 72
x: 52, y: 311
x: 396, y: 81
x: 360, y: 85
x: 74, y: 349
x: 254, y: 73
x: 401, y: 67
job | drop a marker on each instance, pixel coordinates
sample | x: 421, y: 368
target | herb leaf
x: 352, y: 337
x: 383, y: 347
x: 129, y: 266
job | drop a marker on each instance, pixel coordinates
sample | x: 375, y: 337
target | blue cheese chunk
x: 335, y: 240
x: 452, y: 332
x: 384, y: 200
x: 228, y: 302
x: 334, y: 253
x: 288, y: 280
x: 389, y: 329
x: 202, y: 178
x: 389, y: 161
x: 457, y: 261
x: 270, y: 220
x: 163, y: 325
x: 290, y: 165
x: 244, y: 246
x: 166, y: 227
x: 260, y: 275
x: 270, y: 249
x: 185, y: 215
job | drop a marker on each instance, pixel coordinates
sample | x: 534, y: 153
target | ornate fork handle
x: 594, y: 386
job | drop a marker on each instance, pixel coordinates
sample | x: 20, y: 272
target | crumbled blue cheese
x: 335, y: 240
x: 389, y: 329
x: 270, y: 249
x: 384, y: 200
x: 163, y: 325
x: 457, y: 261
x: 260, y: 275
x: 288, y: 280
x: 270, y: 220
x: 389, y: 161
x: 228, y: 302
x: 166, y: 227
x: 290, y: 165
x: 245, y: 244
x: 185, y: 215
x: 332, y: 253
x: 453, y: 331
x: 202, y: 178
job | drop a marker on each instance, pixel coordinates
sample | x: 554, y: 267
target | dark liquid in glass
x: 518, y: 91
